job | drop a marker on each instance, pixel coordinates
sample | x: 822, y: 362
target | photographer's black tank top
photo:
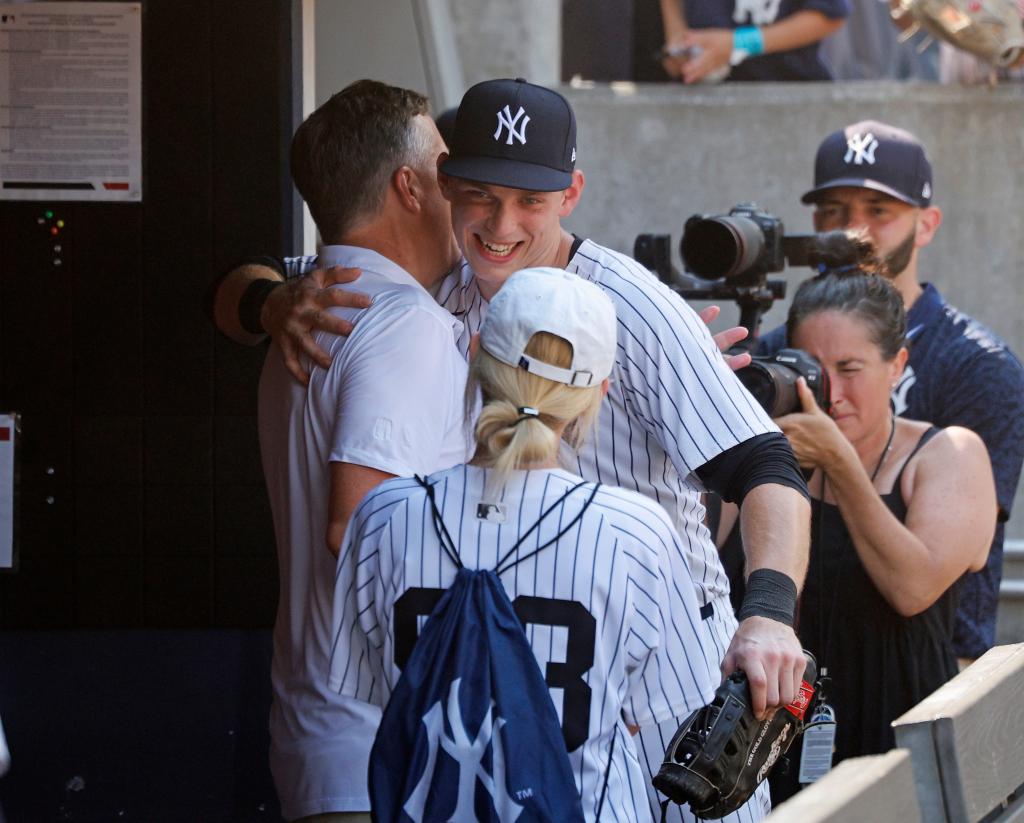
x: 880, y: 662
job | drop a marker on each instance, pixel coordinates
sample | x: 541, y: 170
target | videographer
x: 900, y: 510
x: 876, y: 177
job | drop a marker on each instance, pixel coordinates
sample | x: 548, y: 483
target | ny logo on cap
x: 860, y: 149
x: 507, y: 121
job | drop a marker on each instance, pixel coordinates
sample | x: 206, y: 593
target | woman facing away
x: 596, y: 574
x: 901, y: 510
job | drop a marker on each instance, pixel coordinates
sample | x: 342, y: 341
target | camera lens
x: 716, y: 247
x: 772, y: 385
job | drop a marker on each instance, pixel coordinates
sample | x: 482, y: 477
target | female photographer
x: 901, y: 511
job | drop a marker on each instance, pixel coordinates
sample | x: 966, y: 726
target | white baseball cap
x: 562, y: 304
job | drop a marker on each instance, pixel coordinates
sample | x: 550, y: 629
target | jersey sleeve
x: 671, y: 659
x: 677, y: 382
x: 298, y: 266
x: 356, y: 665
x: 400, y: 394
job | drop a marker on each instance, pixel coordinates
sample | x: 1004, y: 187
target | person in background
x: 875, y: 177
x: 748, y: 39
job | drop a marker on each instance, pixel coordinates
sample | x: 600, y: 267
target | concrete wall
x: 509, y: 39
x: 388, y: 40
x: 656, y: 154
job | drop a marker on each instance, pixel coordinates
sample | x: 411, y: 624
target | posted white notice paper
x: 71, y: 101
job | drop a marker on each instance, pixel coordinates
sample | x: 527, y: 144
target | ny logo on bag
x: 860, y: 149
x: 468, y: 754
x: 507, y: 121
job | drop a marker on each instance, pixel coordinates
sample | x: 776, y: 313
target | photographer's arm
x: 951, y: 508
x: 716, y: 45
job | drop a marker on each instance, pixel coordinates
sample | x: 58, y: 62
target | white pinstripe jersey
x: 612, y: 573
x: 674, y: 403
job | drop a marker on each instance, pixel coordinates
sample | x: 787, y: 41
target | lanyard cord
x: 445, y: 538
x: 825, y: 627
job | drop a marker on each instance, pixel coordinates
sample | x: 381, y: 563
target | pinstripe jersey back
x: 614, y: 627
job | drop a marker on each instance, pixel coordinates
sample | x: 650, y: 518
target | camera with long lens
x: 772, y: 381
x: 743, y: 246
x: 728, y: 257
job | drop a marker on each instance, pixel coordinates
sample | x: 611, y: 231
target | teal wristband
x: 748, y: 39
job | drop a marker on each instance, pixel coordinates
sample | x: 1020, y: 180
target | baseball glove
x: 722, y: 752
x: 989, y: 29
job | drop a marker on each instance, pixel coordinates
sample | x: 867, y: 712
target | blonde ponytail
x: 508, y: 438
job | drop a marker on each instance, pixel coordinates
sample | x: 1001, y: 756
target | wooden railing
x: 960, y: 758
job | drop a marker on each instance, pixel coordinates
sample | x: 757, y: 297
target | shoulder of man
x: 964, y: 345
x: 599, y: 264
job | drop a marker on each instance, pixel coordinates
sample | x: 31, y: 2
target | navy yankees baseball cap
x: 516, y: 134
x: 877, y: 156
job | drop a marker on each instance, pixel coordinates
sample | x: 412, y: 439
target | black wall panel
x: 142, y: 508
x: 143, y: 727
x: 141, y: 487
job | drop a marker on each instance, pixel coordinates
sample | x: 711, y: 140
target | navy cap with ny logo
x: 873, y: 155
x: 516, y: 134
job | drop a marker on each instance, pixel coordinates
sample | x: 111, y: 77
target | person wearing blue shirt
x: 772, y: 40
x: 960, y: 373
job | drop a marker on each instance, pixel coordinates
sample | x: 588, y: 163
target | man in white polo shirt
x: 390, y: 403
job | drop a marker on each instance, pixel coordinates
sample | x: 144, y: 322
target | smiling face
x: 861, y: 379
x: 502, y: 230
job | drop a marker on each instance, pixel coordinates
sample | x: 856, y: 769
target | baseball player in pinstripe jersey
x: 612, y: 621
x: 675, y: 422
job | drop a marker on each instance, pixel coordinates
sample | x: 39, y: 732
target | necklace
x: 885, y: 451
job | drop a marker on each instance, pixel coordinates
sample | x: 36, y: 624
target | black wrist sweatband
x: 250, y: 307
x: 770, y: 594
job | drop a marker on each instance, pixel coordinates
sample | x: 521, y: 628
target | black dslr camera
x: 743, y: 246
x: 772, y: 381
x: 735, y: 252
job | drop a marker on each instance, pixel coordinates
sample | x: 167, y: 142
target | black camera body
x: 772, y: 381
x: 741, y: 246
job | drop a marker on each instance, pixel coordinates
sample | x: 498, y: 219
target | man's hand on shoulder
x: 771, y: 656
x: 299, y: 307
